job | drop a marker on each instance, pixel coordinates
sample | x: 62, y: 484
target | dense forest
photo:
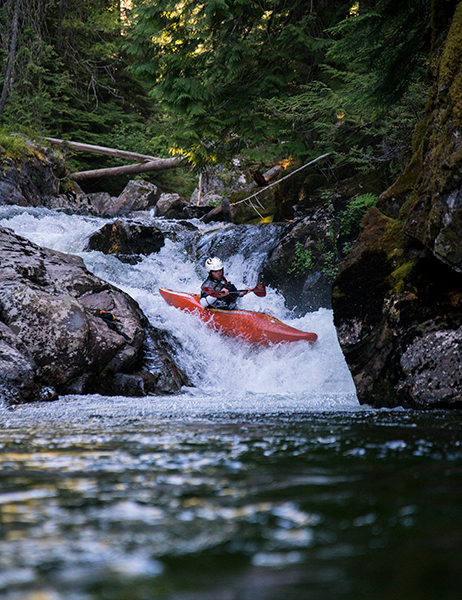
x: 265, y: 80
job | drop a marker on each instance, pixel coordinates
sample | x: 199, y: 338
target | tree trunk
x: 11, y: 59
x: 160, y: 164
x: 79, y: 147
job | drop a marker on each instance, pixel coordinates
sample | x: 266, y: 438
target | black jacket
x: 227, y: 302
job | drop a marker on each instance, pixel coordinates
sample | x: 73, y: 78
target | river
x: 265, y: 480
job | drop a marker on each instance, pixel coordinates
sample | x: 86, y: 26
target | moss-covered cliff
x: 398, y: 298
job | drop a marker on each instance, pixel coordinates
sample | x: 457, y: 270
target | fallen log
x: 150, y: 163
x: 79, y: 147
x: 160, y: 164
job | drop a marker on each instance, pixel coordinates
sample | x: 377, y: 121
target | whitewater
x: 226, y: 375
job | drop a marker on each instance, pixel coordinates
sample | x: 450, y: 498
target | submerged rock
x: 51, y: 332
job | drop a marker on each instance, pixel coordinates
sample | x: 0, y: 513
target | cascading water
x: 225, y: 373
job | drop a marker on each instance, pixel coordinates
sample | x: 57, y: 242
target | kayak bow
x: 252, y: 327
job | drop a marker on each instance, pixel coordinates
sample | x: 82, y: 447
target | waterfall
x: 226, y: 374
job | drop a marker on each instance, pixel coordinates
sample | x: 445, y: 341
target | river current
x: 265, y: 480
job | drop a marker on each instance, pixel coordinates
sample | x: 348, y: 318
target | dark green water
x: 111, y: 499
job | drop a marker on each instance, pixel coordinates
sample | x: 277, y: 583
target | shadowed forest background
x: 210, y: 81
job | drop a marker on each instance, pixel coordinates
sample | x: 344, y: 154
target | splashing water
x: 226, y: 374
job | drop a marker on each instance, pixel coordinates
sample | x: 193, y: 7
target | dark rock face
x: 37, y: 180
x: 398, y: 298
x: 51, y: 332
x: 432, y: 369
x: 126, y: 239
x: 398, y: 312
x: 304, y: 264
x: 24, y: 184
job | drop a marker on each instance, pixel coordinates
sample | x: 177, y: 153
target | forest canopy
x: 212, y: 80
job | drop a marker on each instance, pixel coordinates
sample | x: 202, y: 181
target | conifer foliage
x: 211, y: 64
x: 63, y: 70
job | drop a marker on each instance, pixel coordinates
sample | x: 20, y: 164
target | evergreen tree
x: 371, y: 91
x: 212, y: 63
x: 69, y: 76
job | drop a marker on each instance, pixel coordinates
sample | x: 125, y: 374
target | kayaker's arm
x: 207, y: 301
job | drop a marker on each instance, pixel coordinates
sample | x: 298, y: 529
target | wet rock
x: 19, y: 379
x: 397, y: 312
x: 126, y: 239
x: 171, y: 206
x: 137, y: 195
x: 52, y: 304
x: 306, y: 260
x: 432, y: 369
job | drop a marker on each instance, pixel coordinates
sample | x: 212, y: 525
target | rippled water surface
x: 133, y: 498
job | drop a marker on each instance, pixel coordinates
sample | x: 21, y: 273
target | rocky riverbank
x: 57, y: 335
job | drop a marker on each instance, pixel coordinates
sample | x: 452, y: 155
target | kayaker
x: 217, y: 281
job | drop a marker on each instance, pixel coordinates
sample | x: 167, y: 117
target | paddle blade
x: 211, y: 292
x: 259, y: 290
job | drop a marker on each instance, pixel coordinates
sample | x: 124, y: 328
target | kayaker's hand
x: 247, y: 290
x: 224, y: 291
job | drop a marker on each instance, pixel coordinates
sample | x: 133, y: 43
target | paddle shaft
x: 258, y: 290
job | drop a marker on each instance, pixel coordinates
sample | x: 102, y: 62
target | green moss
x: 14, y: 146
x: 456, y: 98
x: 452, y: 56
x: 401, y: 275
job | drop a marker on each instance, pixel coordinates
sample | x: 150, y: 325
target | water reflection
x: 350, y: 504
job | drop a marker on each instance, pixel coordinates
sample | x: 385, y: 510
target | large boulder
x: 50, y: 310
x: 397, y: 312
x: 137, y: 195
x: 126, y: 240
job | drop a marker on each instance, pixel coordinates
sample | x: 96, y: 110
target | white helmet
x: 213, y: 264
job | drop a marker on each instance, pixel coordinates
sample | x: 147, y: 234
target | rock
x: 393, y: 301
x: 137, y: 195
x: 19, y: 381
x: 432, y: 370
x: 51, y: 328
x: 433, y: 180
x: 102, y: 202
x: 28, y: 181
x: 306, y: 261
x: 171, y: 206
x: 125, y: 239
x: 398, y: 298
x: 40, y: 179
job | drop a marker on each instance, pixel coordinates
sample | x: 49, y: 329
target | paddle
x: 259, y: 290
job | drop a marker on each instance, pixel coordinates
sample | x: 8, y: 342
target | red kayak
x: 253, y: 327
